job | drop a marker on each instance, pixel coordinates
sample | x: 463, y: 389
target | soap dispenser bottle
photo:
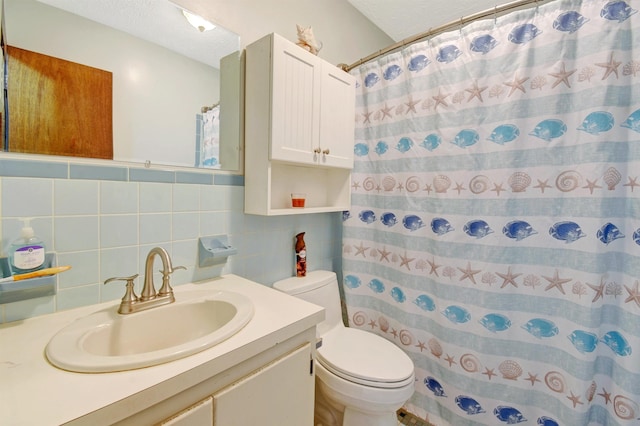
x: 301, y: 256
x: 27, y: 253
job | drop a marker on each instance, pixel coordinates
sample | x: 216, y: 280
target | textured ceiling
x: 157, y: 21
x: 161, y: 22
x: 401, y: 19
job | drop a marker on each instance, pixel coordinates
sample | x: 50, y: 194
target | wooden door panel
x: 58, y: 107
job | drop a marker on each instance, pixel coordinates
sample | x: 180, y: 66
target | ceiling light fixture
x: 198, y: 21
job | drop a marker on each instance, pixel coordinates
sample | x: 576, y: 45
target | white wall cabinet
x: 299, y: 129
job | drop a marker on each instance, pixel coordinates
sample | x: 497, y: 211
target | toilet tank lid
x: 298, y: 285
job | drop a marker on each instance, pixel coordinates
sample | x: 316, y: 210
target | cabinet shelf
x: 282, y: 212
x: 326, y: 189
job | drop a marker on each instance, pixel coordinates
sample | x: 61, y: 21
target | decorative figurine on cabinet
x: 307, y: 40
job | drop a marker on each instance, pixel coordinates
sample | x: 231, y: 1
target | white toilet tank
x: 319, y: 288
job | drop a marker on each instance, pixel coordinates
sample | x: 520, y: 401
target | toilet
x: 362, y: 379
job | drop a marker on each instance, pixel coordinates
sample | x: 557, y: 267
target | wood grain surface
x: 58, y: 107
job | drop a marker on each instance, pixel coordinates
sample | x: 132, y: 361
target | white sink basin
x: 107, y: 341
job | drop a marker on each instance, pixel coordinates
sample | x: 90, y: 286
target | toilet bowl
x: 362, y: 379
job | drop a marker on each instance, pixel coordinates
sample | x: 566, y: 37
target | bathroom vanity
x: 261, y: 375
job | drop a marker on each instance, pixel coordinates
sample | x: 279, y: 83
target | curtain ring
x: 461, y: 24
x: 495, y: 15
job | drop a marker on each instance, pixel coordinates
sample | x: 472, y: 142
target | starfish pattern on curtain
x: 494, y: 232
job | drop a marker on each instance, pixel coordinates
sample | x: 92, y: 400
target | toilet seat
x: 365, y: 358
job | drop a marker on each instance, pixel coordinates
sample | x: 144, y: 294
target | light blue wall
x: 102, y: 220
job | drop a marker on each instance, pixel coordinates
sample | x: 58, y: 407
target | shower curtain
x: 209, y: 141
x: 494, y: 232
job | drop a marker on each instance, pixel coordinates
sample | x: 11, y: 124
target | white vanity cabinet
x: 200, y: 414
x: 281, y: 393
x: 299, y: 129
x: 278, y: 393
x: 262, y: 375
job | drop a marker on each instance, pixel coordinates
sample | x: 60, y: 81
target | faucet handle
x: 173, y: 269
x: 166, y: 289
x: 129, y: 295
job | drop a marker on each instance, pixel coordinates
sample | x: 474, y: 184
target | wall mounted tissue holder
x: 214, y: 250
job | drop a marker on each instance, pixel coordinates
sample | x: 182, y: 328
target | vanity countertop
x: 33, y: 392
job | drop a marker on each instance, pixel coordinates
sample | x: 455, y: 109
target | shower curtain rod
x: 209, y: 108
x: 442, y: 28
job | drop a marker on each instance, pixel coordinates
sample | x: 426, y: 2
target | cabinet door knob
x: 317, y: 150
x: 325, y: 151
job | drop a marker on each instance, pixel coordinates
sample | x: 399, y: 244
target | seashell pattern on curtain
x: 494, y: 232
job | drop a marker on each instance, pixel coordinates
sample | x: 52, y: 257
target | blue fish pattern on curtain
x: 494, y: 232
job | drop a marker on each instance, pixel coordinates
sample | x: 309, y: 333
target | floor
x: 406, y: 418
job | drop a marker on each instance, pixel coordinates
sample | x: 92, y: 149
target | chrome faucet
x: 148, y: 298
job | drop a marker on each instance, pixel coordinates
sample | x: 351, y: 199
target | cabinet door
x: 200, y: 414
x: 295, y: 108
x: 281, y: 393
x: 337, y: 119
